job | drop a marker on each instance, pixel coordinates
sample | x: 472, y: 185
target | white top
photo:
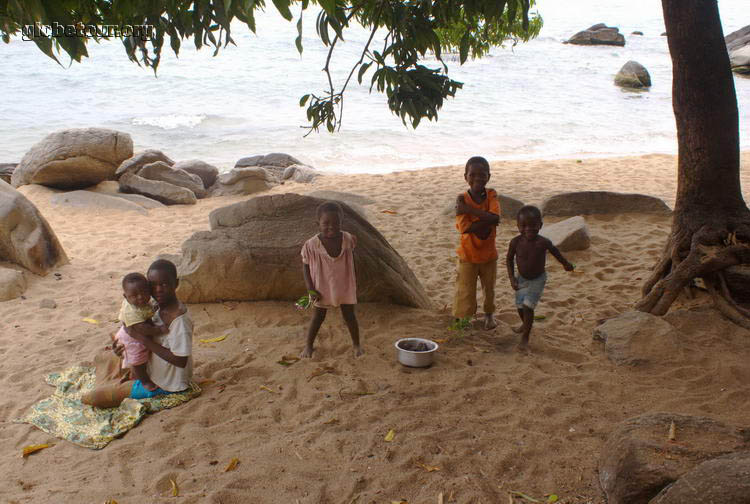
x: 179, y: 341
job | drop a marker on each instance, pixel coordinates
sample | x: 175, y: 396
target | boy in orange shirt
x: 477, y: 217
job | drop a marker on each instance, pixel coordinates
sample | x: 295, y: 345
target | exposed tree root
x: 709, y: 252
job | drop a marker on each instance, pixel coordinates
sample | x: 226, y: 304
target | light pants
x: 465, y: 299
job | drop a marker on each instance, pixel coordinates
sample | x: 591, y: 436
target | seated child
x: 529, y: 250
x: 477, y: 217
x: 135, y: 314
x: 328, y: 269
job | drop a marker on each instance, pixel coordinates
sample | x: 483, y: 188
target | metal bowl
x: 415, y: 358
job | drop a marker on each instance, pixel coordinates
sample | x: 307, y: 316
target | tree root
x: 710, y: 252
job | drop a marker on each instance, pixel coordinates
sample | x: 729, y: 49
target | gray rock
x: 602, y: 202
x: 274, y: 159
x: 637, y: 338
x: 637, y: 461
x: 96, y: 201
x: 112, y: 188
x: 724, y: 480
x: 636, y: 32
x: 12, y: 284
x: 509, y: 207
x: 48, y: 304
x: 26, y: 238
x: 74, y: 158
x: 205, y: 171
x: 138, y: 161
x: 567, y: 235
x: 599, y: 34
x: 253, y: 253
x: 738, y: 39
x: 633, y: 75
x: 164, y: 192
x: 299, y: 173
x: 345, y: 197
x: 162, y: 172
x: 739, y: 59
x: 243, y: 181
x: 6, y: 171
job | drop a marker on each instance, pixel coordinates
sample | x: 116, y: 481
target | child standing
x: 135, y: 314
x: 529, y: 250
x: 477, y: 217
x: 328, y: 269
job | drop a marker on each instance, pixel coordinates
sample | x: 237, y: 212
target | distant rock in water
x: 633, y: 75
x: 637, y: 32
x: 598, y: 34
x: 738, y: 47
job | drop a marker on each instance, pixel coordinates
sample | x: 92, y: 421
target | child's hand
x: 461, y: 207
x: 314, y: 295
x: 514, y: 283
x: 568, y: 266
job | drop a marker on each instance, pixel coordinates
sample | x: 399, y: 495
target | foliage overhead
x: 408, y: 66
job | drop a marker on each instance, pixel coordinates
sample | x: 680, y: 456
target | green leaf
x: 464, y: 47
x: 328, y: 5
x: 303, y: 100
x: 298, y: 40
x: 283, y: 7
x: 362, y: 71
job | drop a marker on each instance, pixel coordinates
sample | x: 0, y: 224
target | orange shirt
x: 471, y: 248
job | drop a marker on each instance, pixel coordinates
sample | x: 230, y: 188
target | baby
x: 529, y: 250
x: 135, y: 314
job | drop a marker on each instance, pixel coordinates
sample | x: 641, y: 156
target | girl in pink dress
x: 328, y: 268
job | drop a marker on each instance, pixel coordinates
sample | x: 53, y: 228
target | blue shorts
x: 530, y: 291
x: 140, y: 392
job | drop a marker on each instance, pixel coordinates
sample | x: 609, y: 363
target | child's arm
x: 493, y: 219
x: 314, y: 295
x: 147, y: 328
x: 510, y: 263
x: 163, y: 352
x: 555, y: 252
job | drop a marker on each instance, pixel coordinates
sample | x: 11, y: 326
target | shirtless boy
x: 477, y: 218
x: 529, y: 250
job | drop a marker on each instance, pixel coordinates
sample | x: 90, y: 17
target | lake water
x: 542, y: 99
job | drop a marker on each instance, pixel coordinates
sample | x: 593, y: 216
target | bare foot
x: 358, y: 351
x: 306, y: 353
x: 489, y: 321
x: 518, y: 330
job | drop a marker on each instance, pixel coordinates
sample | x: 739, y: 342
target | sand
x: 490, y: 419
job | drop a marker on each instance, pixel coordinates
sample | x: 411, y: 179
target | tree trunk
x: 711, y: 223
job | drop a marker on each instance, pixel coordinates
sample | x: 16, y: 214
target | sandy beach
x: 490, y: 419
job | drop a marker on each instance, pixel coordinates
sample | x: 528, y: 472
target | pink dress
x: 333, y: 277
x: 135, y: 353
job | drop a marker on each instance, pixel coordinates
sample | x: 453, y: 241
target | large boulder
x: 738, y: 47
x: 243, y: 181
x: 252, y: 253
x: 277, y: 159
x: 138, y: 161
x: 343, y: 197
x: 205, y: 171
x: 25, y: 237
x: 298, y: 173
x: 12, y: 284
x: 738, y: 39
x: 166, y: 193
x: 509, y: 207
x: 567, y: 235
x: 598, y: 34
x: 724, y: 480
x: 636, y: 338
x: 162, y: 172
x: 633, y: 75
x: 638, y: 460
x: 602, y: 202
x: 74, y: 158
x: 96, y: 201
x: 6, y: 171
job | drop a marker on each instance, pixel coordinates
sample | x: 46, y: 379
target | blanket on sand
x: 64, y: 416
